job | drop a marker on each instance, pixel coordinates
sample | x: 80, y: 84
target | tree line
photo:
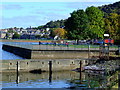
x: 91, y: 23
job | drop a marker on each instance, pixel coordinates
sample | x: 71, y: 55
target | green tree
x: 40, y: 27
x: 76, y: 25
x: 96, y: 22
x: 45, y: 36
x: 16, y: 36
x: 11, y: 31
x: 52, y: 33
x: 7, y: 35
x: 38, y: 36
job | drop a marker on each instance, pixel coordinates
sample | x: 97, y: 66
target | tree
x: 7, y: 35
x: 53, y: 24
x: 40, y: 27
x: 112, y: 26
x: 76, y: 25
x: 16, y: 36
x: 52, y: 33
x: 111, y: 8
x: 45, y: 36
x: 60, y: 32
x: 11, y: 30
x: 96, y: 22
x: 38, y: 36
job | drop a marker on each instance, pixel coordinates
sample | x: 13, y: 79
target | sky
x: 37, y: 13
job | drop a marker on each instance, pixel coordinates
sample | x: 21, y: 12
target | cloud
x: 52, y: 14
x: 32, y: 20
x: 22, y: 21
x: 11, y: 7
x: 56, y: 16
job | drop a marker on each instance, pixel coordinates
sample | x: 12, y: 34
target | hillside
x: 111, y: 8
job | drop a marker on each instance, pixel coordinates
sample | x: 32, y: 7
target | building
x: 2, y: 34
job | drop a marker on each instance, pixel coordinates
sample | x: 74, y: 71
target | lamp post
x: 106, y: 46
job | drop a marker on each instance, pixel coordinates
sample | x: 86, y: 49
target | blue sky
x: 26, y: 14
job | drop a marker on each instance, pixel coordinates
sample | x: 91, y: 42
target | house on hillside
x: 2, y: 34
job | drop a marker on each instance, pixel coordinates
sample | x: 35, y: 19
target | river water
x: 6, y: 55
x: 64, y: 79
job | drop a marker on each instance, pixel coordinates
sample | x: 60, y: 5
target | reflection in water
x: 54, y: 80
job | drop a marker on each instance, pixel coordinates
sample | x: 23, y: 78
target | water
x: 65, y: 79
x: 4, y: 55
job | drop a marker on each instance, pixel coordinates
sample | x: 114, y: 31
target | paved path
x: 52, y: 47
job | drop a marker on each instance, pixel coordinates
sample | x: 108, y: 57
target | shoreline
x: 20, y: 40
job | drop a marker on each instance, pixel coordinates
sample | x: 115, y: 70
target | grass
x: 75, y: 46
x: 91, y: 46
x: 84, y: 46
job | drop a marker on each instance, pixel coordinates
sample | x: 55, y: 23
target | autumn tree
x: 60, y: 32
x: 96, y: 22
x: 112, y: 26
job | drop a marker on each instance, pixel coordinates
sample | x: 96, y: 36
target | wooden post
x: 80, y: 72
x: 18, y: 68
x: 119, y: 80
x: 50, y: 71
x: 108, y: 52
x: 17, y: 72
x: 80, y: 66
x: 88, y: 51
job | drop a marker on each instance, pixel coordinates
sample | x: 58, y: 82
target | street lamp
x: 106, y: 46
x: 106, y: 35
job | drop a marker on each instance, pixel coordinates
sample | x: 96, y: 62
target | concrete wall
x: 59, y: 54
x: 25, y: 53
x: 53, y: 54
x: 50, y: 54
x: 28, y: 65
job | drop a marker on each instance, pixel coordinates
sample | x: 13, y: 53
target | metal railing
x: 36, y: 46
